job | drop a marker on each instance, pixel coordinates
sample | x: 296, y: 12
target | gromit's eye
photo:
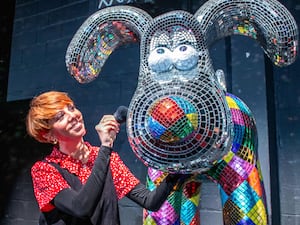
x: 160, y: 60
x: 185, y: 57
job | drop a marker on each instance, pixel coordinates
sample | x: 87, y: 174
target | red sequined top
x: 47, y: 181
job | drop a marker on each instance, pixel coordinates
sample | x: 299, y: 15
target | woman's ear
x: 50, y: 138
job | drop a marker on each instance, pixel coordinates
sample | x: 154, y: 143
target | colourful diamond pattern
x: 237, y: 174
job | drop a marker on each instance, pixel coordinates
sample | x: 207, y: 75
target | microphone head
x: 121, y: 114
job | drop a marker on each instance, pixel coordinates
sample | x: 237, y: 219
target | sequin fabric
x: 237, y: 174
x: 47, y: 181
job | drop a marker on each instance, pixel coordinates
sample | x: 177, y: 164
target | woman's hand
x: 107, y: 130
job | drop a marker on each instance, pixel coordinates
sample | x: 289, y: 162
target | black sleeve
x: 82, y: 203
x: 152, y: 200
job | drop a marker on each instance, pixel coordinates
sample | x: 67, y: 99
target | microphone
x: 121, y: 114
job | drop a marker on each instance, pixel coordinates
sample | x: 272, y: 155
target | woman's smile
x: 77, y: 126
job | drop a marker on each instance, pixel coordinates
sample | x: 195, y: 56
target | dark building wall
x: 42, y: 31
x: 287, y: 131
x: 287, y: 98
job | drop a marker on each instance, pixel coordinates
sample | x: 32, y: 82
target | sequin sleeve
x: 47, y: 182
x: 123, y: 179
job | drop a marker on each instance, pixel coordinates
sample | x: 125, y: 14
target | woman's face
x: 68, y: 124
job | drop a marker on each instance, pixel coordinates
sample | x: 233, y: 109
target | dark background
x: 34, y: 37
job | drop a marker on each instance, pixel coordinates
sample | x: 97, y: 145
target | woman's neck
x: 77, y: 150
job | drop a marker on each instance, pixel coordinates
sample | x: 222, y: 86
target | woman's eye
x: 160, y: 60
x: 58, y: 117
x: 71, y: 108
x: 185, y: 57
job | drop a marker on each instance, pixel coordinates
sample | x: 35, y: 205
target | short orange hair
x: 43, y: 108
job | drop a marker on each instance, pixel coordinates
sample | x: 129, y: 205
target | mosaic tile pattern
x: 237, y: 174
x: 178, y: 119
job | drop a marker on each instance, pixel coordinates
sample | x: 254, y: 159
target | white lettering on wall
x: 106, y: 3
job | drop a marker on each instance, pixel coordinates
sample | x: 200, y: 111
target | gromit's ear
x: 99, y: 36
x: 268, y: 22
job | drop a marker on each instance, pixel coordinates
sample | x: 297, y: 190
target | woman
x: 79, y: 183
